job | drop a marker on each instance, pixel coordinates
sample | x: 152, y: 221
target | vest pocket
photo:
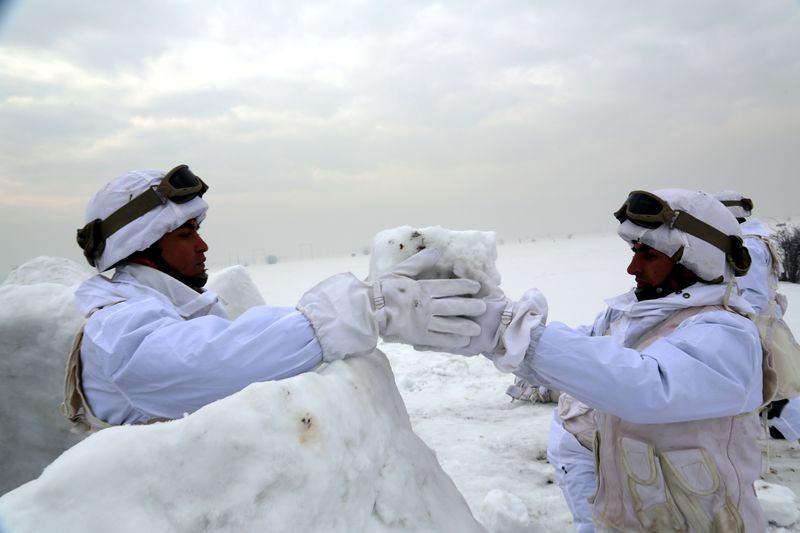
x: 694, y: 482
x: 652, y: 502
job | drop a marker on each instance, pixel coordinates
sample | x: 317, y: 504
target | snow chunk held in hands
x: 235, y: 289
x: 779, y: 503
x: 392, y: 246
x: 503, y: 512
x: 331, y: 450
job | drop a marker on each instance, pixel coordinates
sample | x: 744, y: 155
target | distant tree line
x: 788, y: 241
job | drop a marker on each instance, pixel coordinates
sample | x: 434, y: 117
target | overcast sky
x: 322, y: 123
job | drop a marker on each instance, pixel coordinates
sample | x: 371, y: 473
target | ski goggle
x: 746, y: 203
x: 179, y: 185
x: 649, y: 211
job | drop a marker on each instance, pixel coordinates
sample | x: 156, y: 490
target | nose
x: 201, y: 246
x: 634, y: 267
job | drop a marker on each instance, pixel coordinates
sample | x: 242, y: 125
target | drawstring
x: 765, y: 427
x: 728, y: 291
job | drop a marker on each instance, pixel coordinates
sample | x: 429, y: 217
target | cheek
x: 663, y: 270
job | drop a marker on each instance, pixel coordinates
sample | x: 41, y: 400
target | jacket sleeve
x: 710, y: 366
x: 755, y: 284
x: 166, y: 366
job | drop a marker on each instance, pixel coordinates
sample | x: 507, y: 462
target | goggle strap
x: 744, y: 202
x: 92, y: 237
x: 694, y: 226
x: 129, y: 212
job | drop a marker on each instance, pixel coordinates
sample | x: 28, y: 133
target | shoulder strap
x: 75, y: 406
x: 671, y: 323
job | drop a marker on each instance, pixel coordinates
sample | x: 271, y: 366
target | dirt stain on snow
x: 308, y: 430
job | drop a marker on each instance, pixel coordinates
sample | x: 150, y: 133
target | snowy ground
x: 458, y: 406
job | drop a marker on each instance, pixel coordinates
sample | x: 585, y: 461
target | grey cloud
x: 489, y: 115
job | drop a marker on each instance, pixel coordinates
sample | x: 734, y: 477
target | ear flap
x: 739, y: 256
x: 90, y: 239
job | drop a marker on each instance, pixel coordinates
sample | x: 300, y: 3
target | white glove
x: 508, y: 329
x: 348, y: 314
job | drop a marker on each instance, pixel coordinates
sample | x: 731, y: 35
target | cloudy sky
x: 318, y: 124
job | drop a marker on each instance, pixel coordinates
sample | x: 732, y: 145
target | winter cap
x: 146, y: 229
x: 706, y: 260
x: 736, y: 202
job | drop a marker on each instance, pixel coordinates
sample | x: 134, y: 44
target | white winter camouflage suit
x: 709, y: 367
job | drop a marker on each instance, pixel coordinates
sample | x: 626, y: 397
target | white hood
x: 699, y: 256
x: 148, y: 228
x: 132, y: 281
x: 754, y: 226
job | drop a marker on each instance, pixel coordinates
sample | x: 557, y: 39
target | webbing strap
x: 731, y: 203
x: 75, y: 406
x: 731, y: 245
x: 129, y: 212
x: 670, y: 324
x: 694, y: 226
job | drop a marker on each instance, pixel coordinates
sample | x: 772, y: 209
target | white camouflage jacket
x: 154, y: 348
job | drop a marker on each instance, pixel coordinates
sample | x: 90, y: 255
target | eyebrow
x: 190, y: 224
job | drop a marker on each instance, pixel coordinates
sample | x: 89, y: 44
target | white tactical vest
x: 694, y: 476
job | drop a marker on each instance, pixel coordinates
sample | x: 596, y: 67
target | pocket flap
x: 693, y: 469
x: 569, y: 407
x: 639, y: 460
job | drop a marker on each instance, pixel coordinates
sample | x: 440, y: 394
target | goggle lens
x: 644, y: 204
x: 185, y: 184
x: 183, y: 178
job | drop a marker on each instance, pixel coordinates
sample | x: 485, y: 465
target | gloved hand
x: 508, y: 329
x: 348, y: 314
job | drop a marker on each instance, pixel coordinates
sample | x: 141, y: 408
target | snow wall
x: 38, y: 321
x: 324, y: 451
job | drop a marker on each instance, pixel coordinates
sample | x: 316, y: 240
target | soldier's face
x: 184, y: 249
x: 650, y: 267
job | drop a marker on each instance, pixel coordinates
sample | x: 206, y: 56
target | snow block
x: 235, y: 289
x: 331, y: 450
x: 37, y: 325
x: 392, y: 246
x: 38, y: 321
x: 779, y: 504
x: 503, y: 512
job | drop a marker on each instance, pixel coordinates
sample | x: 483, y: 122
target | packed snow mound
x: 37, y: 325
x: 44, y: 269
x: 235, y: 289
x: 779, y: 504
x: 331, y: 450
x: 478, y: 249
x: 503, y: 512
x: 38, y: 321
